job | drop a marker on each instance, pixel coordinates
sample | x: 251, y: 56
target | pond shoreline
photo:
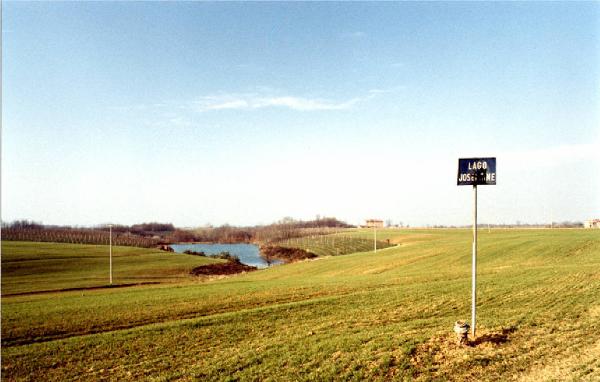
x: 285, y: 254
x: 248, y: 254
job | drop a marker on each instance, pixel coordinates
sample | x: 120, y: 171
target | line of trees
x: 285, y: 228
x: 156, y: 234
x: 146, y: 235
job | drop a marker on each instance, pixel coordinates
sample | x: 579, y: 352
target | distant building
x: 592, y: 223
x: 373, y: 223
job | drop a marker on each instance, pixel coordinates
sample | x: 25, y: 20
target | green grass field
x: 363, y: 316
x: 336, y: 244
x: 34, y: 267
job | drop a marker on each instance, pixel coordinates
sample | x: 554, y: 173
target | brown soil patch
x: 406, y: 239
x: 441, y: 356
x: 80, y: 289
x: 228, y: 268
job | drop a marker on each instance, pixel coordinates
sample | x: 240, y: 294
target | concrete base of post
x: 461, y: 329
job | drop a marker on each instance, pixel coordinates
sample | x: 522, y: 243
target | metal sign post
x: 474, y: 264
x: 475, y: 171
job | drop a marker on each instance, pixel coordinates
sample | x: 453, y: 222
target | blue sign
x: 476, y: 171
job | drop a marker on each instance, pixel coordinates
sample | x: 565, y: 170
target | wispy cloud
x: 376, y: 91
x: 180, y: 122
x: 256, y: 101
x: 216, y: 104
x: 263, y: 98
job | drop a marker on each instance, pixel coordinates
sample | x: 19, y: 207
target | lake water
x: 248, y: 254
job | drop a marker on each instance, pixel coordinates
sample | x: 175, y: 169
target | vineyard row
x: 73, y: 236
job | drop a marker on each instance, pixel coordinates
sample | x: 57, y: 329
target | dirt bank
x: 228, y: 268
x: 288, y: 255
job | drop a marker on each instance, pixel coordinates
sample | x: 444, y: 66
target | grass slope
x: 336, y: 244
x: 32, y: 267
x: 384, y: 316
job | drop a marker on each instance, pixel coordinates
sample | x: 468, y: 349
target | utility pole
x: 375, y: 238
x: 110, y: 251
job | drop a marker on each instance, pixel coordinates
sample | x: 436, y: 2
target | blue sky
x: 244, y: 113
